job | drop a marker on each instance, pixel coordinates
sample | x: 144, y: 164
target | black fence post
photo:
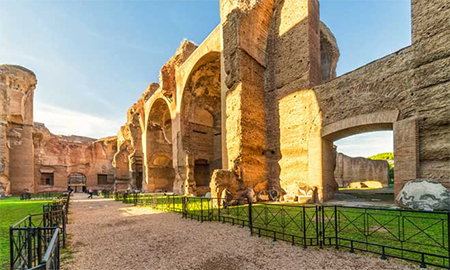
x: 336, y: 226
x: 250, y: 217
x: 29, y: 247
x: 173, y: 203
x: 201, y: 209
x: 209, y: 209
x: 323, y: 226
x: 448, y: 237
x: 304, y: 227
x: 11, y: 248
x: 64, y: 213
x: 39, y: 245
x: 218, y: 209
x: 319, y: 225
x: 183, y: 206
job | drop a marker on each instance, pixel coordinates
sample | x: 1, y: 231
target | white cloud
x: 366, y: 144
x: 66, y: 122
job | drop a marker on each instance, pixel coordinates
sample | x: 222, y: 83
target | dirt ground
x: 105, y: 234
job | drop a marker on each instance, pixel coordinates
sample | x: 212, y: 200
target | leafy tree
x: 383, y: 156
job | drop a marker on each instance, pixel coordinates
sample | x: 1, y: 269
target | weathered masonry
x: 34, y: 160
x: 256, y: 107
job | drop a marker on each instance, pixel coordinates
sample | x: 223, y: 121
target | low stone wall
x: 350, y: 171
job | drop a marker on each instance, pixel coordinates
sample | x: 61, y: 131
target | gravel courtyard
x: 105, y: 234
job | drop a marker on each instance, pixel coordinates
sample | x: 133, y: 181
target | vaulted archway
x: 201, y: 129
x: 159, y: 162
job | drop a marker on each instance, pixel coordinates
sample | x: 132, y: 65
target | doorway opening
x: 77, y: 182
x: 364, y: 169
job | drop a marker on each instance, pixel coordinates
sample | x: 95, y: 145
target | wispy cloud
x: 66, y: 122
x: 366, y: 144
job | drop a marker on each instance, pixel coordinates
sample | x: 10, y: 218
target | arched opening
x: 160, y: 169
x: 362, y: 152
x: 77, y: 182
x: 201, y: 121
x: 364, y: 168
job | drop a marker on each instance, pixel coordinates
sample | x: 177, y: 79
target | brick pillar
x: 293, y: 114
x: 406, y: 150
x: 244, y: 38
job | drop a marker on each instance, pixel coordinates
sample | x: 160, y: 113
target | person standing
x: 90, y: 194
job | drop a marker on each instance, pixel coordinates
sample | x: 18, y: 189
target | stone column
x: 17, y: 86
x: 244, y: 37
x: 406, y: 149
x: 293, y: 113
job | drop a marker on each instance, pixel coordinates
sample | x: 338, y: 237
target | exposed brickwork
x: 257, y: 107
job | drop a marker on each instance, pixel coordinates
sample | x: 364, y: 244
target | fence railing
x: 35, y: 240
x: 416, y: 236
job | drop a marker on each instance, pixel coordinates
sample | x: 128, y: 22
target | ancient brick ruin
x: 253, y: 109
x: 33, y: 159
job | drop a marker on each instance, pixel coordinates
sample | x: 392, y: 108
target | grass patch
x: 13, y: 210
x: 369, y: 229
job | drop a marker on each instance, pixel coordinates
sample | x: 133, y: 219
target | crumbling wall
x: 169, y: 171
x: 17, y: 86
x: 429, y: 89
x: 329, y: 54
x: 201, y: 122
x: 414, y: 82
x: 244, y: 37
x: 64, y: 155
x: 129, y: 160
x: 358, y: 169
x: 374, y: 97
x: 160, y: 171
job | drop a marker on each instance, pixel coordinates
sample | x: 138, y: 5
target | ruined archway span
x: 360, y: 124
x: 157, y: 97
x: 210, y: 56
x: 200, y: 122
x: 158, y: 138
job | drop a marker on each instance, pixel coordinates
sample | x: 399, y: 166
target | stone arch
x: 160, y: 171
x: 200, y: 119
x: 360, y: 124
x: 405, y: 144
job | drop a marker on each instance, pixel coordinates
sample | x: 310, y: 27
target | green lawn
x: 411, y: 230
x: 13, y: 210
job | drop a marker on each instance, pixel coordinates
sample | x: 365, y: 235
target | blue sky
x: 94, y: 58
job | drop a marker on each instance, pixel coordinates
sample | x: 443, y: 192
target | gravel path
x: 110, y: 235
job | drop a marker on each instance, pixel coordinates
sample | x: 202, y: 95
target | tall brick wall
x: 430, y: 90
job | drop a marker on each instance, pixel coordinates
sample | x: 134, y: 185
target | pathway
x: 110, y: 235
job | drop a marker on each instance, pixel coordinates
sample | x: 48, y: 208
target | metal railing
x: 416, y: 236
x: 51, y: 258
x: 35, y: 240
